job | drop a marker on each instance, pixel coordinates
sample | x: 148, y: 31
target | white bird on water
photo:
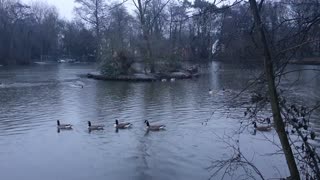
x: 79, y: 83
x: 210, y: 91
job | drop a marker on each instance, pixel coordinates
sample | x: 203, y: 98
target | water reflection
x: 62, y: 130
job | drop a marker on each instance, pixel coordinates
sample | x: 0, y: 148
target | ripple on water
x: 30, y: 143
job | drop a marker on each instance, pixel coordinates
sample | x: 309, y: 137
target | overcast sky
x: 65, y: 7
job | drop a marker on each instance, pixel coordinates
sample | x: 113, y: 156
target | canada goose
x: 261, y: 128
x: 63, y: 126
x: 94, y: 127
x: 154, y: 127
x: 122, y: 125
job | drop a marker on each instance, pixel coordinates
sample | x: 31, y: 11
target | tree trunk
x: 278, y: 121
x: 145, y: 34
x: 97, y: 29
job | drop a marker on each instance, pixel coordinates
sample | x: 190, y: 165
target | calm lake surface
x: 32, y: 98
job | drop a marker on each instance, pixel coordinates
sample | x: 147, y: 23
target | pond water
x: 32, y: 98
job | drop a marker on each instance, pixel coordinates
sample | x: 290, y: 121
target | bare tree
x: 27, y: 32
x: 146, y: 26
x: 274, y: 99
x: 93, y: 12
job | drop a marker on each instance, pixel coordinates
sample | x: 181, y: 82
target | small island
x: 144, y: 76
x: 121, y: 67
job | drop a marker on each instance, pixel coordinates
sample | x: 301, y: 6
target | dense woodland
x: 155, y: 30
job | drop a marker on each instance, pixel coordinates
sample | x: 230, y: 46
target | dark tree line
x: 34, y: 32
x: 155, y: 31
x: 26, y: 32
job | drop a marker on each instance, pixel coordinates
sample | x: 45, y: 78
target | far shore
x: 306, y: 61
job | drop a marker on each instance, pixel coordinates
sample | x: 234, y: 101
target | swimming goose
x: 94, y: 127
x: 122, y: 125
x: 154, y: 127
x: 63, y: 126
x: 261, y: 128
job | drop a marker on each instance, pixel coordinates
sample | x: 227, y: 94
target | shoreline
x: 142, y: 77
x: 306, y: 61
